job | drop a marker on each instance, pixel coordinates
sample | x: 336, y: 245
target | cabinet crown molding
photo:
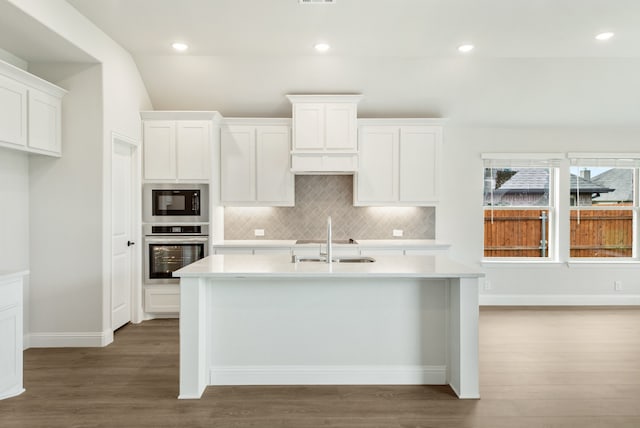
x: 257, y: 121
x: 26, y: 78
x: 181, y: 115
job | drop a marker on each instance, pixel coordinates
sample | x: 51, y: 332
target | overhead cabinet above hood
x: 325, y: 136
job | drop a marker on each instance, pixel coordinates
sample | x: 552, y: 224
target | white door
x: 121, y: 234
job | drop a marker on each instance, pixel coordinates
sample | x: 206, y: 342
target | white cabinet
x: 254, y: 163
x: 177, y: 145
x: 324, y: 133
x: 45, y: 119
x: 30, y: 112
x: 11, y: 335
x: 13, y: 112
x: 399, y: 163
x: 159, y: 150
x: 177, y: 150
x: 162, y: 299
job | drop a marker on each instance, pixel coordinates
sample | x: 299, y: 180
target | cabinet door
x: 340, y: 126
x: 44, y: 122
x: 193, y: 154
x: 13, y: 112
x: 238, y: 164
x: 11, y: 337
x: 419, y: 164
x: 159, y: 150
x: 308, y: 126
x: 377, y: 175
x: 273, y: 172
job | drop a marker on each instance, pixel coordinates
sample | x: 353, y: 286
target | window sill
x: 599, y: 263
x: 521, y: 263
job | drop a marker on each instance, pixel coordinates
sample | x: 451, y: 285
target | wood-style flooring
x: 540, y: 367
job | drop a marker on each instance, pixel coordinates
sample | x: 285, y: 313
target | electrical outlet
x: 398, y: 233
x: 487, y: 284
x: 259, y: 232
x: 617, y: 285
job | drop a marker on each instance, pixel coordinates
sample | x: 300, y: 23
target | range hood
x: 325, y: 138
x: 324, y: 163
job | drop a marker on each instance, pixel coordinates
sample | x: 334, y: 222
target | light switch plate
x: 398, y: 233
x: 258, y: 232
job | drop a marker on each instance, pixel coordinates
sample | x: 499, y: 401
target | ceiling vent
x: 317, y: 1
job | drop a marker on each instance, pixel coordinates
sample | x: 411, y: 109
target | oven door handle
x: 176, y: 240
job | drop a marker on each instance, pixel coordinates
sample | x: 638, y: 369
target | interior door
x: 121, y: 234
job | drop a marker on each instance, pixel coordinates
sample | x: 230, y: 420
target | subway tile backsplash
x: 319, y: 196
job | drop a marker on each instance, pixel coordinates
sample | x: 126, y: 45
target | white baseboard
x: 559, y: 300
x: 327, y: 375
x: 88, y: 339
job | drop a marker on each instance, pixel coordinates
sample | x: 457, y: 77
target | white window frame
x: 523, y: 160
x: 619, y: 160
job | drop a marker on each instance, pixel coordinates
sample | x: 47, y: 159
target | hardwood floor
x: 540, y: 367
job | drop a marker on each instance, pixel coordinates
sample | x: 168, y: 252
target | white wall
x: 12, y: 59
x: 14, y: 217
x: 14, y: 210
x: 66, y: 218
x: 73, y: 298
x: 459, y: 218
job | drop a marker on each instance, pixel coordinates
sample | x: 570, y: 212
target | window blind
x: 522, y: 160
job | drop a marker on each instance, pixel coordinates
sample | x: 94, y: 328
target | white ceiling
x: 536, y: 61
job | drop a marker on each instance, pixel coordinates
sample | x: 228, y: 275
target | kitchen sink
x: 354, y: 259
x: 324, y: 241
x: 349, y: 259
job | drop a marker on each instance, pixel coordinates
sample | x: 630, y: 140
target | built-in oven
x: 168, y: 248
x: 175, y: 203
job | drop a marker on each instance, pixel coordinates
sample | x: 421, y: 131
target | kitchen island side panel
x: 327, y: 322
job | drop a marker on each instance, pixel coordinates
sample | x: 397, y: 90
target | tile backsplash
x: 319, y: 196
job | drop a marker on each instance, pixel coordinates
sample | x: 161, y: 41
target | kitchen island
x: 261, y: 319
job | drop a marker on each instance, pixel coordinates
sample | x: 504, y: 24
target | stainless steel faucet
x: 329, y: 249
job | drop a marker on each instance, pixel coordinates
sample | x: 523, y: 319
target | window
x: 519, y: 208
x: 604, y: 208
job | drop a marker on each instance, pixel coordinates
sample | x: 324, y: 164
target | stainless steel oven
x: 168, y: 248
x: 175, y: 203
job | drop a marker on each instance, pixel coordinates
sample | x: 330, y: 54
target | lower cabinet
x: 162, y: 299
x: 11, y: 346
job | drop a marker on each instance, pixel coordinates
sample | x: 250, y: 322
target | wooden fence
x: 518, y: 233
x: 514, y: 233
x: 601, y: 233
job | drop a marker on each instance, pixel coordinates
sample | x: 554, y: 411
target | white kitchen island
x: 263, y: 320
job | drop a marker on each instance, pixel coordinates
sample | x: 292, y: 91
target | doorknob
x: 130, y: 243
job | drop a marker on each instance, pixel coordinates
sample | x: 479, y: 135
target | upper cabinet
x: 324, y: 133
x: 30, y: 112
x: 177, y: 145
x: 254, y: 163
x: 399, y: 162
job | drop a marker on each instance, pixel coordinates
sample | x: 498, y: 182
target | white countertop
x: 431, y: 243
x: 280, y: 266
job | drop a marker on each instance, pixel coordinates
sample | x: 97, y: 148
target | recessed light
x: 604, y: 36
x: 465, y: 48
x: 321, y: 47
x: 181, y: 47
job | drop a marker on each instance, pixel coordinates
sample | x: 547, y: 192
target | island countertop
x: 281, y: 266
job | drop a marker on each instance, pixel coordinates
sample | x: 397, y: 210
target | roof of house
x: 620, y: 180
x: 536, y: 180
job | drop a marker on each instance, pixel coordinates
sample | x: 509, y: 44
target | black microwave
x: 171, y: 203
